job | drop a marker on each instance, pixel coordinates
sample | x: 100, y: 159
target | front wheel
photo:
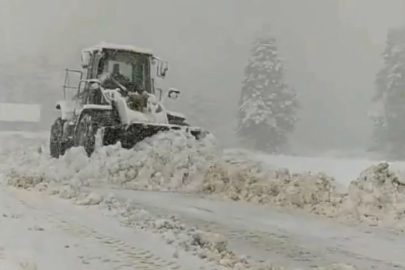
x: 55, y: 146
x: 85, y: 134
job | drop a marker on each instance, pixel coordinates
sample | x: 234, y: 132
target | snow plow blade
x: 130, y: 135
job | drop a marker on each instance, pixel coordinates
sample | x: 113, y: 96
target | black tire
x: 55, y: 146
x: 85, y: 135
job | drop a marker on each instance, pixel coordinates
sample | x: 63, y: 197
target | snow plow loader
x: 115, y: 98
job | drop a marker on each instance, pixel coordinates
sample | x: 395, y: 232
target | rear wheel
x: 56, y: 147
x: 85, y: 135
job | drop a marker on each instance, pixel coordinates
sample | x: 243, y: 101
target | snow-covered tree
x: 389, y: 124
x: 267, y: 106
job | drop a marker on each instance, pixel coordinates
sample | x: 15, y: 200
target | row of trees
x: 267, y: 111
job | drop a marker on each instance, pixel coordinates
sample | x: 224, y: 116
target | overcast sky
x: 331, y: 48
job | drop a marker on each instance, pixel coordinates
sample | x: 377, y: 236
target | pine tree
x: 389, y: 124
x: 267, y: 107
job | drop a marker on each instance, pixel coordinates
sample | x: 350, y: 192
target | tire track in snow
x: 131, y: 257
x: 264, y: 244
x: 127, y: 256
x: 135, y: 258
x: 291, y: 238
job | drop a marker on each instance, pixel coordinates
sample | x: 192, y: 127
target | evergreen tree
x: 389, y: 124
x: 267, y: 106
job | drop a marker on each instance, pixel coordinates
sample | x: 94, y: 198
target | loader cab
x: 133, y: 68
x: 130, y: 69
x: 137, y: 68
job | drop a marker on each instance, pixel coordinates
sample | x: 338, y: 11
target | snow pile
x: 176, y: 162
x: 248, y: 181
x: 166, y: 161
x: 377, y: 197
x: 21, y: 181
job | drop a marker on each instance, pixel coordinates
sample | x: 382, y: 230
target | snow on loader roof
x: 112, y: 46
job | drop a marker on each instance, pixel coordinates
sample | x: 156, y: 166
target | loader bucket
x: 130, y: 135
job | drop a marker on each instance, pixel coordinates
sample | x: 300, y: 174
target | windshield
x: 129, y: 69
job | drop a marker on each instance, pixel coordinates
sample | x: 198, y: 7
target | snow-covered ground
x: 288, y: 237
x: 51, y: 234
x: 233, y: 208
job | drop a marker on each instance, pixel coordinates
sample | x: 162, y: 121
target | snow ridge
x: 173, y: 162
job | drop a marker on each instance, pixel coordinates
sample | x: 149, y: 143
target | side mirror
x: 173, y: 93
x: 161, y: 67
x: 160, y: 93
x: 86, y: 59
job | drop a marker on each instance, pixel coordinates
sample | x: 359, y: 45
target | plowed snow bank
x: 247, y: 181
x: 377, y: 197
x: 175, y: 162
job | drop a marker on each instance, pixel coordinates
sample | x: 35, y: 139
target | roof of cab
x: 119, y: 47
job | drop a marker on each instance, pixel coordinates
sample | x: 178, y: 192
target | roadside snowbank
x: 377, y: 197
x: 169, y: 161
x: 176, y: 162
x: 247, y: 181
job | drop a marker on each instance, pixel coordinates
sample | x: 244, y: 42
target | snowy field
x: 175, y: 204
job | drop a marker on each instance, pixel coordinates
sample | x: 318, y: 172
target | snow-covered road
x: 51, y: 233
x: 41, y: 233
x: 289, y: 238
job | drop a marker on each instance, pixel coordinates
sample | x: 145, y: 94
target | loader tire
x: 85, y: 135
x: 56, y: 147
